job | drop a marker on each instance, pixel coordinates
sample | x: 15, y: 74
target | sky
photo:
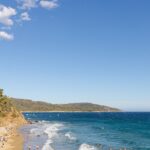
x: 67, y: 51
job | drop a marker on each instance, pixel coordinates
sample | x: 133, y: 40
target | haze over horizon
x: 68, y: 51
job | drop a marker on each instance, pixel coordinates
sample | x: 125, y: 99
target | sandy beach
x: 10, y: 138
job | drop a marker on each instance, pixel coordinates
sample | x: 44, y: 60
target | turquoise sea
x: 87, y: 131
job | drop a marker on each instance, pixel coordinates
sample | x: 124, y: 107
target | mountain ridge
x: 30, y: 105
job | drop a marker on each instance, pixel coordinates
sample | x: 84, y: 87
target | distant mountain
x: 29, y: 105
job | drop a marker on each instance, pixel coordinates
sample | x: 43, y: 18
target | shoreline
x: 18, y: 140
x: 15, y: 141
x: 10, y: 136
x: 70, y: 111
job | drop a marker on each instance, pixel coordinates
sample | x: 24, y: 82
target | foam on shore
x: 51, y: 131
x: 70, y: 136
x: 87, y: 147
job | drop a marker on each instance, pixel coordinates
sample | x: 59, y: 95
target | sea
x: 87, y: 131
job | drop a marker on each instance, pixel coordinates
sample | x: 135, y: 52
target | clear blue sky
x: 78, y: 51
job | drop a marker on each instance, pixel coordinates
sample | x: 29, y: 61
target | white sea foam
x: 47, y: 145
x: 43, y: 122
x: 87, y: 147
x: 70, y: 136
x: 36, y: 131
x: 51, y: 131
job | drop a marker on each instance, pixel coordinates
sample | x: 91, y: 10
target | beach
x: 10, y: 137
x: 76, y: 131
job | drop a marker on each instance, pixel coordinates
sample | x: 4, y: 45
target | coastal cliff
x: 10, y: 120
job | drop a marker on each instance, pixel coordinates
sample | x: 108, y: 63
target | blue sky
x: 77, y: 51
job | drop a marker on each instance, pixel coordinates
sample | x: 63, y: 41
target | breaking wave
x: 70, y: 136
x: 87, y: 147
x: 51, y: 131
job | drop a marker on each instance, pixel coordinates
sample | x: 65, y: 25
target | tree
x: 1, y: 92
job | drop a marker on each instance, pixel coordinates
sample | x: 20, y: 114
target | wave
x: 87, y: 147
x: 34, y: 130
x: 51, y: 131
x: 37, y: 131
x: 47, y: 145
x: 70, y: 136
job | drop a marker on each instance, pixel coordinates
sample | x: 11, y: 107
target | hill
x: 29, y: 105
x: 8, y: 112
x: 6, y: 107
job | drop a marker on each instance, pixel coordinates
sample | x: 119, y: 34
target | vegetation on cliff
x: 7, y: 108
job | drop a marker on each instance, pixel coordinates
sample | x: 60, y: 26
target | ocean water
x: 87, y: 131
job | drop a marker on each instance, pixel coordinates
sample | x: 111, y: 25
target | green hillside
x: 29, y: 105
x: 6, y: 106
